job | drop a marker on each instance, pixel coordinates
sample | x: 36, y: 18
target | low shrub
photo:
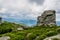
x: 51, y: 33
x: 5, y: 30
x: 31, y: 36
x: 58, y: 30
x: 55, y: 39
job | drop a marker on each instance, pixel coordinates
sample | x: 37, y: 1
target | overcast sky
x: 28, y: 9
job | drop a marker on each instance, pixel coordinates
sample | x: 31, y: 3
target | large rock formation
x: 47, y: 18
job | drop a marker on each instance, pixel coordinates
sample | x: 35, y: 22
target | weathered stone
x: 50, y: 38
x: 47, y: 18
x: 20, y: 28
x: 5, y: 38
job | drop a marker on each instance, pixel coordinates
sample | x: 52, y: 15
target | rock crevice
x: 47, y: 18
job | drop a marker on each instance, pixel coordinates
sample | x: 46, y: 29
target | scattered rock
x: 20, y: 28
x: 4, y: 38
x: 50, y: 38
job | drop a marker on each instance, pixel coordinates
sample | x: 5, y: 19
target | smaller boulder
x: 19, y: 28
x: 5, y: 38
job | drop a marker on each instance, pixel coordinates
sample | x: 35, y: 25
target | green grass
x: 55, y: 39
x: 8, y: 29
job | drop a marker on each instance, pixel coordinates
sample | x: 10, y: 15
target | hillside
x: 31, y: 33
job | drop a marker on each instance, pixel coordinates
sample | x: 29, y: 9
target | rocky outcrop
x: 53, y: 37
x: 47, y: 18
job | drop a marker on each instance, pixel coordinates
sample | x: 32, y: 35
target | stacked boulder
x: 47, y: 18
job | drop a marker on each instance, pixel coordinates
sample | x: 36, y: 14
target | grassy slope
x: 29, y: 33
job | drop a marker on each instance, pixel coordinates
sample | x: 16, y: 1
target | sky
x: 27, y: 11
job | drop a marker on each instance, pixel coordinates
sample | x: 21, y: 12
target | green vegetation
x: 55, y: 39
x: 31, y: 33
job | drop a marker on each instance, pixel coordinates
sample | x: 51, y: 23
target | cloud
x: 2, y: 10
x: 57, y: 17
x: 27, y: 9
x: 39, y: 2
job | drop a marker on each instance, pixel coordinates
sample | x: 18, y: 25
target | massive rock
x: 47, y: 18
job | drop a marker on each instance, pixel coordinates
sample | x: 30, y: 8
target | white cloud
x: 57, y: 17
x: 2, y: 10
x: 25, y: 10
x: 50, y: 4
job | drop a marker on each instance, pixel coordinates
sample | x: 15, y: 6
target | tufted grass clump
x: 51, y: 33
x: 55, y: 39
x: 58, y: 30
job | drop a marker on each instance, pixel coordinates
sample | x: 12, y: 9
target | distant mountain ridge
x: 58, y: 23
x: 27, y: 22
